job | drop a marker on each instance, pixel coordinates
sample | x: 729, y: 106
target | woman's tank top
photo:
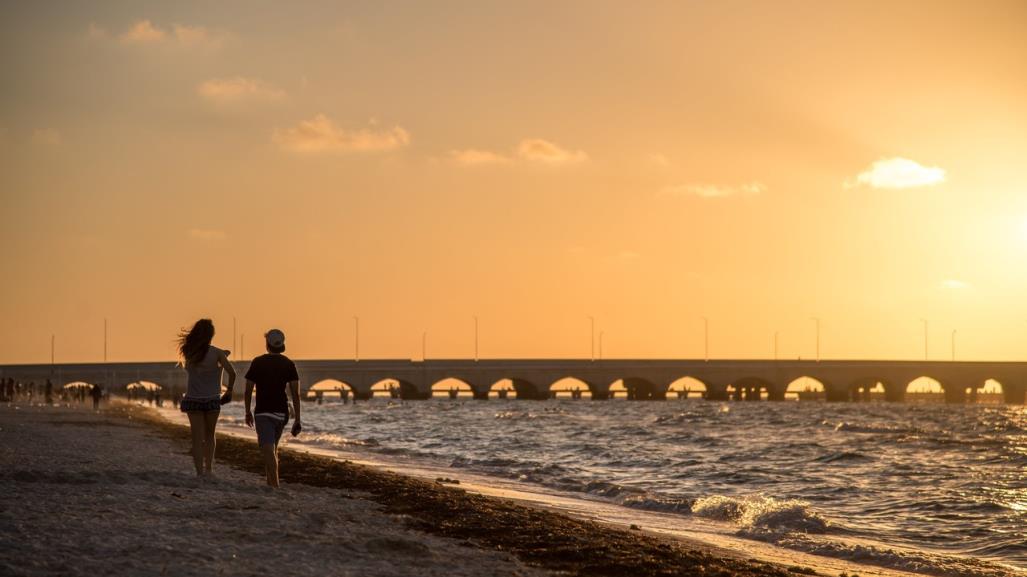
x: 204, y: 377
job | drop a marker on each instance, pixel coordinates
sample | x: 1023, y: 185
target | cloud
x: 47, y: 137
x: 474, y: 157
x: 238, y: 88
x: 194, y: 35
x: 716, y: 191
x: 545, y: 152
x: 96, y: 32
x: 954, y: 284
x: 320, y: 135
x: 143, y: 32
x: 207, y: 234
x: 530, y: 150
x: 659, y: 160
x: 898, y: 173
x: 146, y: 32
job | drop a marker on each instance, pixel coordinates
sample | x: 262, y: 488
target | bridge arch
x: 452, y: 388
x: 524, y: 389
x: 805, y: 389
x: 687, y: 388
x: 638, y: 389
x: 868, y: 389
x: 570, y: 388
x: 924, y: 389
x: 330, y: 389
x: 394, y: 388
x: 752, y: 389
x: 990, y: 391
x: 503, y: 389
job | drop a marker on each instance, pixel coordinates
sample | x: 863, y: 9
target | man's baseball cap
x: 275, y: 338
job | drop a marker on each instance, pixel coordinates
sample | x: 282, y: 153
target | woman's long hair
x: 193, y: 344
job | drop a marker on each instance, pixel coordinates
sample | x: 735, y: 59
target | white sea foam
x: 761, y: 516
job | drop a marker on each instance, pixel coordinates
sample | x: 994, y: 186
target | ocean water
x: 928, y: 488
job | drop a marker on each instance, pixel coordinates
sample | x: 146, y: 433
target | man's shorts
x: 269, y: 429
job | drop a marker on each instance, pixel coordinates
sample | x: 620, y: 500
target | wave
x: 903, y: 559
x: 761, y: 516
x: 879, y: 429
x: 843, y: 456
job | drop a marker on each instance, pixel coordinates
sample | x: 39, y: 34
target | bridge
x: 842, y: 380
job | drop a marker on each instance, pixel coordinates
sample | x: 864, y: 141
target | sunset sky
x: 532, y: 163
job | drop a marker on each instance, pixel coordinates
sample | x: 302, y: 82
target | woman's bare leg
x: 198, y: 429
x: 210, y: 423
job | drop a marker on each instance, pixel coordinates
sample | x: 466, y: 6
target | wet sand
x: 135, y: 508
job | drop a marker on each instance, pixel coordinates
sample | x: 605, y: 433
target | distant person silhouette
x: 49, y: 392
x: 270, y: 375
x: 97, y: 393
x: 204, y: 364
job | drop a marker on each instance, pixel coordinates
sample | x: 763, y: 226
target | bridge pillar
x: 716, y: 393
x: 1013, y: 394
x: 836, y: 394
x: 954, y: 395
x: 601, y: 395
x: 480, y: 395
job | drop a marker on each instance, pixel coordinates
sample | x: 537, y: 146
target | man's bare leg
x: 270, y: 453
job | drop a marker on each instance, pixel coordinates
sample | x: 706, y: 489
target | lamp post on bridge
x: 706, y: 339
x: 817, y: 321
x: 925, y: 337
x: 592, y: 340
x: 356, y: 339
x: 475, y: 338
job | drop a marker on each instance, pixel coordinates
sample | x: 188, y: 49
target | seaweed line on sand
x: 537, y: 537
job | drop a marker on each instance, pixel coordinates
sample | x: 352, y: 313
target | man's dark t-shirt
x: 272, y: 373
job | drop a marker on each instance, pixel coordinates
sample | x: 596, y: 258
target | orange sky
x: 531, y: 163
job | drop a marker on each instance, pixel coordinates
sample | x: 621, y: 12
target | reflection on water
x: 937, y: 478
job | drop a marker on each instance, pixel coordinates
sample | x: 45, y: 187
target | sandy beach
x: 103, y: 494
x: 113, y: 493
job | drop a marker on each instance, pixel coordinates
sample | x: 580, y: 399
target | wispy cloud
x: 236, y: 89
x: 474, y: 157
x: 545, y: 152
x: 143, y: 32
x: 898, y: 173
x: 321, y: 135
x: 47, y: 137
x: 206, y: 234
x: 146, y: 32
x: 529, y: 150
x: 715, y: 190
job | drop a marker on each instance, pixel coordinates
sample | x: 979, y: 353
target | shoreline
x: 537, y: 537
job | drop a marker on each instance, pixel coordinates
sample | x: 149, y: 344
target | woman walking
x: 202, y: 401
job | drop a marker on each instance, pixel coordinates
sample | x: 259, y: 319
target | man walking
x: 271, y: 374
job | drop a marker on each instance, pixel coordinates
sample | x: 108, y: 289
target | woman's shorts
x: 190, y: 405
